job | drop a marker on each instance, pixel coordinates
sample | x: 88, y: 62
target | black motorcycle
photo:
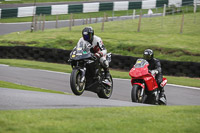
x: 87, y: 73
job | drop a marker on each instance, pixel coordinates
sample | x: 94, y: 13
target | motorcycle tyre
x: 73, y: 82
x: 134, y: 95
x: 102, y: 93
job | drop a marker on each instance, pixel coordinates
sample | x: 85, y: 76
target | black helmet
x: 148, y: 54
x: 88, y: 34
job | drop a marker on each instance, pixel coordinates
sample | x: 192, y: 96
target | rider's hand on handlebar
x: 99, y: 54
x: 154, y: 72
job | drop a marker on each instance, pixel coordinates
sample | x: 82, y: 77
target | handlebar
x: 153, y: 72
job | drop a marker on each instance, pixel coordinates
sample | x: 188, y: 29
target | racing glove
x: 154, y: 72
x: 99, y: 54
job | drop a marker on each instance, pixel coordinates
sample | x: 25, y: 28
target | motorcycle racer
x: 98, y: 48
x: 155, y: 69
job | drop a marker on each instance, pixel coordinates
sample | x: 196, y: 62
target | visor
x: 86, y: 37
x: 147, y: 57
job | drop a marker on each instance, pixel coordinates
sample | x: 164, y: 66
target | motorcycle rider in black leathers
x: 155, y: 68
x: 98, y: 48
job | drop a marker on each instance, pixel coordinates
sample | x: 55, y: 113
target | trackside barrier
x: 59, y: 9
x: 26, y: 11
x: 120, y: 6
x: 174, y: 68
x: 91, y: 7
x: 149, y: 4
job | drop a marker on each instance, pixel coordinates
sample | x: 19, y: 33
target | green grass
x: 4, y: 84
x: 195, y: 82
x: 155, y: 119
x: 37, y: 65
x: 121, y: 37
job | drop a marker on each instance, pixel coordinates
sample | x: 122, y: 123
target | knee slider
x: 106, y: 64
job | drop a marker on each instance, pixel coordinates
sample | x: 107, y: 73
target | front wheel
x: 106, y: 91
x: 136, y: 94
x: 77, y: 86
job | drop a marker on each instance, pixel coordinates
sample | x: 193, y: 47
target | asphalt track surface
x: 6, y: 28
x: 18, y: 99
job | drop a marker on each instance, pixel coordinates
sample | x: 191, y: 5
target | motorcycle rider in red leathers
x: 155, y: 68
x: 98, y: 48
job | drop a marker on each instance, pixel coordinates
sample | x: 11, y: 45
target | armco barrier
x: 174, y: 68
x: 91, y: 7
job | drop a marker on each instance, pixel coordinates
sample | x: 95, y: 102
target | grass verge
x: 195, y: 82
x: 155, y: 119
x: 121, y: 37
x: 4, y: 84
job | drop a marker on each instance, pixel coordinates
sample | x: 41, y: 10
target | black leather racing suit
x: 154, y: 64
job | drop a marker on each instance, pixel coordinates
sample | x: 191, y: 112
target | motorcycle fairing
x: 150, y: 82
x: 78, y: 54
x: 78, y: 57
x: 139, y: 72
x: 140, y: 84
x: 81, y: 51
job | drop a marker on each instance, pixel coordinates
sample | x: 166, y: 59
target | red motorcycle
x: 145, y: 88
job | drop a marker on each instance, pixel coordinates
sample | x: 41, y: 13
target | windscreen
x: 140, y: 63
x: 83, y: 47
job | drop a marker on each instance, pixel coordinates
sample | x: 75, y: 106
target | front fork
x: 141, y: 95
x: 142, y: 92
x: 83, y: 71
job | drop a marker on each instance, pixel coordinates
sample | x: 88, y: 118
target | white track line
x: 3, y: 65
x: 188, y: 87
x: 195, y: 88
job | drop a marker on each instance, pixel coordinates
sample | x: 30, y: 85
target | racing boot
x: 162, y: 97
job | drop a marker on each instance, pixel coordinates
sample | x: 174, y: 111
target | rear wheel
x: 106, y: 90
x: 136, y: 94
x: 76, y: 86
